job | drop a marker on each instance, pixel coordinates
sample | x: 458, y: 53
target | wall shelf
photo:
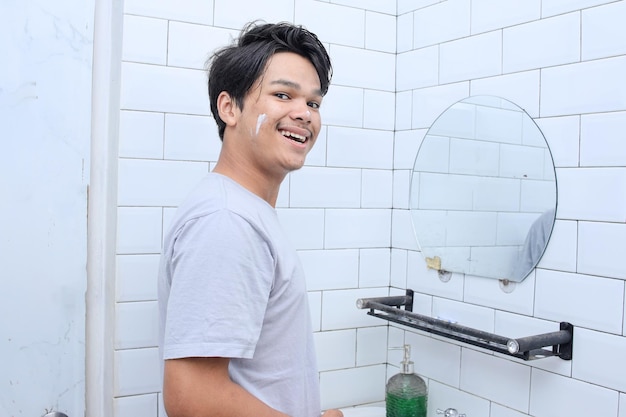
x: 399, y: 309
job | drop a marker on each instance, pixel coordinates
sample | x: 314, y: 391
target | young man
x: 236, y: 337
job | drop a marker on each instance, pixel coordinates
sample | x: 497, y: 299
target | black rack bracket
x: 399, y: 309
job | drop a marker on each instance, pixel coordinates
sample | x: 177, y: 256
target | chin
x: 296, y: 165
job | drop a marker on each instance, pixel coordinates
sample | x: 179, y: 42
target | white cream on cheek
x: 259, y: 121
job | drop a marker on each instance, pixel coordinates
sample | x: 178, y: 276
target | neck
x: 257, y: 183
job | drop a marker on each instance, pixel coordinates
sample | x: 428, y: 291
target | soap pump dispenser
x: 406, y: 394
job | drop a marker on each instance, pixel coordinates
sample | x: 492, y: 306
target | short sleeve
x: 222, y: 275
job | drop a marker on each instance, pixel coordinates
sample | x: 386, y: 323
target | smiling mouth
x: 293, y: 136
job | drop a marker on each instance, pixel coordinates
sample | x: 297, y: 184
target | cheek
x: 316, y: 122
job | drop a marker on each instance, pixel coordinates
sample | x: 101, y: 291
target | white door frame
x: 102, y: 210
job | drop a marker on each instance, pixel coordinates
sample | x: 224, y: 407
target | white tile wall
x: 136, y: 405
x: 587, y: 87
x: 346, y: 212
x: 388, y: 7
x: 363, y: 228
x: 305, y: 227
x: 139, y: 230
x: 374, y: 267
x: 163, y: 89
x: 441, y: 22
x: 558, y: 296
x: 377, y: 188
x: 145, y: 40
x: 553, y: 394
x: 141, y: 134
x: 543, y: 43
x: 399, y: 268
x: 592, y: 193
x: 593, y: 366
x: 363, y: 68
x: 599, y: 249
x: 483, y: 375
x: 380, y: 31
x: 146, y: 182
x: 197, y: 11
x: 191, y: 138
x: 379, y: 110
x: 344, y: 106
x: 136, y: 325
x: 562, y: 135
x: 473, y: 57
x: 600, y: 143
x: 401, y: 188
x: 371, y: 347
x: 137, y: 371
x: 603, y: 31
x: 323, y: 187
x: 339, y: 387
x: 417, y: 68
x: 331, y: 269
x: 136, y: 277
x: 336, y: 349
x: 552, y: 7
x: 185, y: 50
x: 237, y: 13
x: 315, y: 16
x: 490, y: 15
x: 317, y: 156
x: 406, y: 145
x: 345, y: 145
x: 404, y: 32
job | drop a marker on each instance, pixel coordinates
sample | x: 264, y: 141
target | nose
x: 302, y: 112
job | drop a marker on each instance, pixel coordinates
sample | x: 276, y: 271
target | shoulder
x: 220, y: 205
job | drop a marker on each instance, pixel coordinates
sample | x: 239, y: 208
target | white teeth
x: 292, y: 135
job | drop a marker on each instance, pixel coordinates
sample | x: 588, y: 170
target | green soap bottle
x: 406, y: 393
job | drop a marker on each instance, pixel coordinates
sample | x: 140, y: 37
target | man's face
x: 280, y: 119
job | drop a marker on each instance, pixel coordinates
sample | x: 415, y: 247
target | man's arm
x: 199, y: 387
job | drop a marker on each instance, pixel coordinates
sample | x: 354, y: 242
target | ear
x: 227, y: 108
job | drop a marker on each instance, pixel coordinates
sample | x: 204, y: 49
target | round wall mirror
x: 483, y: 191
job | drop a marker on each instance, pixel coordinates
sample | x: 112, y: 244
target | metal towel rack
x: 526, y: 348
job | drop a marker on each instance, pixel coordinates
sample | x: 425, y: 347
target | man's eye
x: 314, y: 105
x: 282, y: 96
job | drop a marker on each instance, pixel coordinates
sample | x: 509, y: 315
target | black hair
x: 235, y: 68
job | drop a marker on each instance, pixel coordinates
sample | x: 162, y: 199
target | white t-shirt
x: 231, y: 285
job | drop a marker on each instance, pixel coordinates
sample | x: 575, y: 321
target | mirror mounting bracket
x: 399, y: 309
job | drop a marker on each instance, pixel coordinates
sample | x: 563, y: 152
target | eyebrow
x: 294, y: 85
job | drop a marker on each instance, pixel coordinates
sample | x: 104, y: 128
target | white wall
x: 45, y: 112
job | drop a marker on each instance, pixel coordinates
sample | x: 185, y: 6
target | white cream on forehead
x: 259, y: 122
